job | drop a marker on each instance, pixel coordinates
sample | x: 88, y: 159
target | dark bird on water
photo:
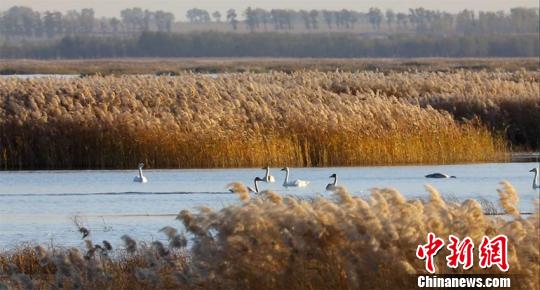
x: 84, y: 231
x: 439, y: 175
x: 107, y: 245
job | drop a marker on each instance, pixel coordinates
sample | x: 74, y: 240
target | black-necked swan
x: 294, y: 183
x: 140, y: 178
x: 332, y: 186
x: 267, y: 177
x: 256, y: 189
x: 439, y: 175
x: 536, y: 180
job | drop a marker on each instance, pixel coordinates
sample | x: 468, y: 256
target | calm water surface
x: 37, y: 76
x: 39, y: 206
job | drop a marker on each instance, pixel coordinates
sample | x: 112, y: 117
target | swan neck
x: 286, y: 175
x: 335, y: 181
x: 140, y: 172
x: 256, y: 187
x: 536, y: 182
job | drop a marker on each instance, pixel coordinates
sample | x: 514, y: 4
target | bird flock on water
x: 271, y: 179
x: 268, y: 178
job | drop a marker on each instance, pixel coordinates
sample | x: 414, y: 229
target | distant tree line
x: 23, y: 22
x: 273, y: 44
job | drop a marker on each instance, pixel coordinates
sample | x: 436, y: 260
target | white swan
x: 333, y: 185
x: 536, y: 180
x: 267, y: 177
x: 256, y: 189
x: 140, y: 178
x: 294, y: 183
x: 439, y: 175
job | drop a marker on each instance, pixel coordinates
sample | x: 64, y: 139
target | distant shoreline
x: 524, y: 156
x: 171, y: 66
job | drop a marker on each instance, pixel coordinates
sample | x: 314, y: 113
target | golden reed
x: 241, y: 120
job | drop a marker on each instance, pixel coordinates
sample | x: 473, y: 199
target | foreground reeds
x: 275, y: 242
x: 243, y: 120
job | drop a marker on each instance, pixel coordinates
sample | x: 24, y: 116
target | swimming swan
x: 536, y: 180
x: 439, y: 175
x: 140, y: 178
x: 267, y: 177
x: 256, y: 189
x: 294, y: 183
x: 332, y: 186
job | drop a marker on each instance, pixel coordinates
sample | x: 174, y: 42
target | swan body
x: 439, y: 175
x: 536, y: 180
x: 140, y: 178
x: 333, y: 185
x: 293, y: 183
x: 267, y: 177
x: 256, y: 189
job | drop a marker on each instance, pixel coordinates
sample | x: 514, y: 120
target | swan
x: 333, y: 185
x: 536, y: 180
x: 439, y: 175
x: 256, y: 189
x: 294, y: 183
x: 267, y: 177
x: 140, y: 178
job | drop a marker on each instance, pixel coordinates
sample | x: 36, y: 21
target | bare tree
x: 314, y: 16
x: 390, y: 18
x: 115, y: 25
x: 328, y: 18
x: 252, y: 20
x: 231, y: 17
x: 306, y: 18
x: 375, y: 17
x: 217, y: 16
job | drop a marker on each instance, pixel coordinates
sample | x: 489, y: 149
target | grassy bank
x: 275, y: 242
x: 241, y: 120
x: 120, y: 66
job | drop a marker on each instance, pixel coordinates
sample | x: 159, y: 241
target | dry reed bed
x: 508, y: 102
x: 220, y: 65
x: 275, y: 242
x: 299, y: 119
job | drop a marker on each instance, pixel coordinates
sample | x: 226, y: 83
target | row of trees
x: 23, y: 22
x: 272, y: 44
x: 519, y: 20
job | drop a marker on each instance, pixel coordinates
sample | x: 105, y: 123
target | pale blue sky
x: 178, y: 7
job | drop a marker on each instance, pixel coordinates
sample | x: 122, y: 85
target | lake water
x: 39, y: 206
x: 36, y: 76
x: 74, y: 76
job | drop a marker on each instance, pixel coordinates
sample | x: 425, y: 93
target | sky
x: 111, y: 8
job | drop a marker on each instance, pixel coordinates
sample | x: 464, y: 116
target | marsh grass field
x: 304, y: 118
x: 274, y: 113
